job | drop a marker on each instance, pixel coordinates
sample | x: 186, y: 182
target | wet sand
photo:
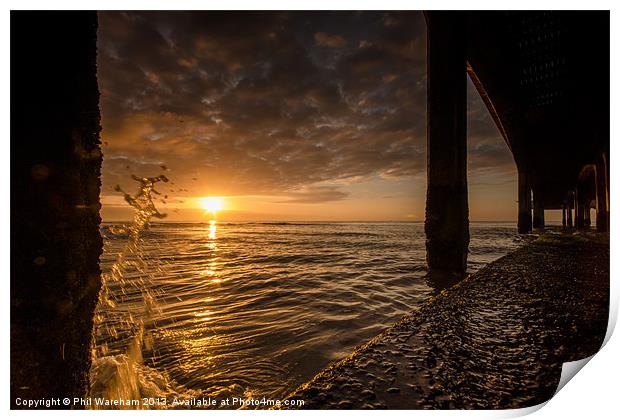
x: 495, y: 340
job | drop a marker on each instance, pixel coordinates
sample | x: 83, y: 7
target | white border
x: 593, y: 394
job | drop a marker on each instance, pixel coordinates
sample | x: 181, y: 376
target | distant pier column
x: 524, y: 222
x: 569, y: 212
x: 579, y: 216
x: 539, y: 210
x: 586, y: 215
x: 578, y: 211
x: 447, y: 212
x: 563, y: 215
x: 601, y: 196
x: 605, y: 163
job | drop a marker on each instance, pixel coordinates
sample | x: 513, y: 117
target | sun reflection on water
x: 211, y: 271
x: 212, y: 229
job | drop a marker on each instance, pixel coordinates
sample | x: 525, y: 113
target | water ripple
x: 260, y: 308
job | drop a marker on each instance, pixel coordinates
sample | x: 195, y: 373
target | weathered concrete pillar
x: 55, y: 167
x: 447, y: 213
x: 563, y: 215
x: 601, y: 196
x: 579, y: 218
x: 569, y: 213
x: 539, y: 210
x: 586, y: 215
x: 524, y: 222
x: 605, y: 163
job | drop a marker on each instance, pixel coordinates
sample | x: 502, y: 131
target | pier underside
x: 544, y: 77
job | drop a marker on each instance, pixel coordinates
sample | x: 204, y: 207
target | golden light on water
x: 212, y: 229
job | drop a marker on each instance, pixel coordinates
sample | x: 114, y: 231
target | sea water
x: 253, y: 310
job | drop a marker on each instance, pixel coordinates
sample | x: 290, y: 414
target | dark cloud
x: 267, y: 102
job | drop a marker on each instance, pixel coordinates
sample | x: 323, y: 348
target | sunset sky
x: 286, y: 116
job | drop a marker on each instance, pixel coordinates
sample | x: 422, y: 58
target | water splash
x: 118, y: 371
x: 145, y: 209
x: 142, y: 202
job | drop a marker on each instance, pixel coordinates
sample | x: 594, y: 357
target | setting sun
x: 212, y: 204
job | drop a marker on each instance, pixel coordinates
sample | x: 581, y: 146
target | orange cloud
x: 327, y: 40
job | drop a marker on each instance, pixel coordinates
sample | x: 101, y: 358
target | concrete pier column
x: 569, y: 213
x: 563, y: 215
x: 578, y: 211
x: 586, y: 215
x: 539, y: 210
x: 55, y: 167
x: 524, y: 222
x: 605, y: 163
x: 579, y: 216
x: 601, y: 196
x: 447, y: 212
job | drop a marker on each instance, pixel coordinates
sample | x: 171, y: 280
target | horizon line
x: 309, y: 221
